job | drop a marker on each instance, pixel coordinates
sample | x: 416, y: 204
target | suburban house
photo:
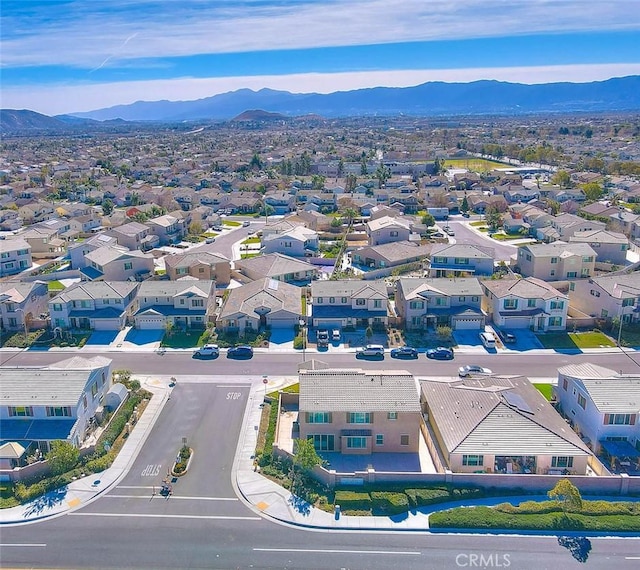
x: 93, y: 305
x: 182, y: 304
x: 281, y: 226
x: 349, y: 303
x: 297, y: 242
x: 56, y: 402
x: 77, y: 250
x: 389, y: 255
x: 135, y: 236
x: 260, y: 304
x: 281, y: 202
x: 21, y: 302
x: 460, y: 260
x: 15, y: 256
x: 279, y: 267
x: 356, y: 411
x: 44, y: 242
x: 201, y: 264
x: 116, y: 263
x: 387, y: 229
x: 608, y: 297
x: 499, y: 425
x: 563, y: 226
x: 429, y: 302
x: 610, y: 247
x: 169, y: 229
x: 556, y: 261
x: 604, y: 407
x: 527, y: 303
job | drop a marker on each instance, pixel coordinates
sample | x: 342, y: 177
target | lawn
x: 231, y: 223
x: 478, y: 224
x: 563, y: 341
x: 475, y: 164
x: 546, y: 390
x: 55, y: 286
x: 507, y: 237
x: 187, y: 339
x: 251, y: 240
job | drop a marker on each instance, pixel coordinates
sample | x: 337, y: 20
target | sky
x: 65, y: 56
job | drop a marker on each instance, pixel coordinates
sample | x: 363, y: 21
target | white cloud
x: 86, y: 37
x: 59, y: 99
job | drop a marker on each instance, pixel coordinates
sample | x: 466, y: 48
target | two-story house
x: 349, y: 303
x: 428, y: 302
x: 185, y: 304
x: 460, y: 260
x: 556, y: 261
x: 356, y: 411
x: 93, y: 305
x: 78, y: 249
x: 115, y: 263
x: 15, y: 256
x: 525, y: 303
x: 297, y: 242
x: 169, y: 229
x: 21, y: 302
x: 387, y: 229
x: 608, y: 297
x: 563, y: 226
x: 610, y: 247
x: 57, y: 402
x: 200, y: 264
x: 44, y: 242
x: 603, y: 406
x: 135, y: 236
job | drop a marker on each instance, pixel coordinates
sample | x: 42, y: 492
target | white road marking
x: 23, y: 545
x: 173, y: 497
x: 135, y: 486
x: 632, y: 557
x: 313, y: 551
x: 153, y: 516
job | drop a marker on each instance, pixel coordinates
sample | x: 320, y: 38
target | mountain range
x: 427, y: 99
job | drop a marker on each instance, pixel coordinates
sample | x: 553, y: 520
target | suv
x: 322, y: 338
x: 207, y: 351
x: 370, y: 351
x: 335, y: 335
x: 507, y: 337
x: 488, y: 340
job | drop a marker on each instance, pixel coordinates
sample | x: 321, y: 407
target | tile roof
x: 527, y: 288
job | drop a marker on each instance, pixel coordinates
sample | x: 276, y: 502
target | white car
x: 246, y: 224
x: 335, y: 335
x: 473, y: 370
x: 207, y: 351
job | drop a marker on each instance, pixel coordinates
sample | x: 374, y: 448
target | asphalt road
x: 531, y: 363
x: 464, y: 234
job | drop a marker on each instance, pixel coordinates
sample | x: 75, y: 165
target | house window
x: 510, y: 303
x: 584, y: 272
x: 84, y: 401
x: 318, y: 417
x: 182, y: 301
x: 319, y: 300
x: 332, y: 300
x: 552, y: 272
x: 392, y: 416
x: 343, y: 300
x: 528, y: 257
x: 572, y: 274
x: 619, y: 419
x: 475, y: 299
x: 379, y: 439
x: 393, y: 233
x: 404, y: 439
x: 439, y: 259
x: 572, y: 286
x: 565, y: 384
x: 94, y: 389
x: 85, y: 304
x: 461, y: 299
x: 58, y: 411
x: 377, y: 303
x: 473, y: 460
x: 128, y: 265
x: 358, y: 418
x: 554, y: 260
x: 587, y: 259
x: 20, y: 411
x: 197, y: 302
x: 323, y: 442
x: 356, y: 443
x: 57, y: 307
x: 531, y: 302
x: 461, y: 261
x: 360, y: 302
x: 604, y: 313
x: 582, y: 401
x: 561, y: 461
x: 627, y: 302
x: 287, y: 244
x: 557, y: 305
x: 416, y: 304
x: 440, y: 301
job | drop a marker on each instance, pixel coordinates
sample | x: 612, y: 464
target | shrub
x: 353, y: 500
x: 423, y: 497
x: 298, y: 343
x: 386, y: 502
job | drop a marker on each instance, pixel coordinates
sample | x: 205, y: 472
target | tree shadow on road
x: 300, y: 505
x: 46, y: 501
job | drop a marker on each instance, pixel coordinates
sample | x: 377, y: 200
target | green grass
x: 546, y: 390
x: 564, y: 341
x: 231, y: 223
x: 251, y: 240
x: 507, y: 237
x: 55, y: 286
x: 185, y: 339
x: 477, y: 224
x: 475, y: 164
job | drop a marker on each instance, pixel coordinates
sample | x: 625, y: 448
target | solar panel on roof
x: 517, y: 401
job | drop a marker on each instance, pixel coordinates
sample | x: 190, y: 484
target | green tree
x: 428, y: 220
x: 464, y: 207
x: 195, y: 228
x: 350, y: 214
x: 107, y: 206
x: 256, y: 163
x: 63, y: 457
x: 537, y: 177
x: 567, y: 494
x: 305, y: 459
x: 340, y: 168
x: 493, y: 216
x: 382, y: 174
x: 317, y: 182
x: 593, y: 191
x: 562, y: 178
x: 336, y: 222
x: 351, y: 183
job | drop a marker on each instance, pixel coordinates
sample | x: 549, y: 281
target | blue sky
x: 60, y: 56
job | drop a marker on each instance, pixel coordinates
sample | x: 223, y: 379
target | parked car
x: 210, y: 240
x: 488, y: 340
x: 404, y: 352
x: 322, y: 338
x: 507, y: 337
x: 240, y: 351
x: 472, y: 370
x: 447, y: 230
x: 440, y: 353
x: 246, y: 224
x: 207, y: 351
x: 370, y: 351
x: 335, y: 335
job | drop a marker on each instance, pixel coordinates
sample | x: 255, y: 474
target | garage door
x: 281, y: 323
x: 467, y: 324
x: 149, y: 323
x: 517, y: 323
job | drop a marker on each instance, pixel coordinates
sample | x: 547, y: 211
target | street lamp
x: 303, y: 327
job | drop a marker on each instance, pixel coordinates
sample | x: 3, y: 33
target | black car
x: 242, y: 351
x: 440, y: 353
x: 404, y: 352
x: 507, y: 337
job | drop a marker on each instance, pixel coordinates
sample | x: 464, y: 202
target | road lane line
x: 135, y: 486
x: 110, y: 496
x: 23, y: 545
x: 314, y: 551
x: 154, y: 516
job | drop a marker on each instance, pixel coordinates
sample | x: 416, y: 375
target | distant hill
x: 259, y: 115
x: 14, y: 120
x: 428, y: 99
